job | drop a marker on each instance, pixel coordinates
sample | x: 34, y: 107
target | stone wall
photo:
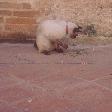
x: 19, y: 18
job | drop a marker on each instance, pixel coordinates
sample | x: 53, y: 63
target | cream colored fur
x: 50, y: 31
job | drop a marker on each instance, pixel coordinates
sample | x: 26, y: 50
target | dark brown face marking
x: 76, y: 31
x: 79, y: 29
x: 60, y: 44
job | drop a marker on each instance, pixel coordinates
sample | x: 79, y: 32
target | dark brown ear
x: 79, y: 29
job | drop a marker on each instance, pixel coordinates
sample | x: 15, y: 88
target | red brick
x: 3, y: 34
x: 9, y: 5
x: 1, y: 19
x: 15, y: 5
x: 9, y: 0
x: 5, y: 13
x: 26, y: 6
x: 27, y: 13
x: 19, y: 20
x: 1, y: 27
x: 20, y: 28
x: 16, y: 35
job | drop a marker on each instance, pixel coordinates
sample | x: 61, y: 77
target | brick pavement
x: 69, y: 82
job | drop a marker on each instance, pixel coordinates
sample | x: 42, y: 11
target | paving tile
x: 5, y: 107
x: 7, y: 80
x: 86, y: 97
x: 59, y: 83
x: 39, y: 72
x: 106, y: 81
x: 16, y: 93
x: 32, y: 82
x: 93, y: 72
x: 46, y: 104
x: 89, y: 97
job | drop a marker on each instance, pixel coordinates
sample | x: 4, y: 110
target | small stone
x: 26, y: 109
x: 30, y: 100
x: 62, y: 62
x: 93, y: 49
